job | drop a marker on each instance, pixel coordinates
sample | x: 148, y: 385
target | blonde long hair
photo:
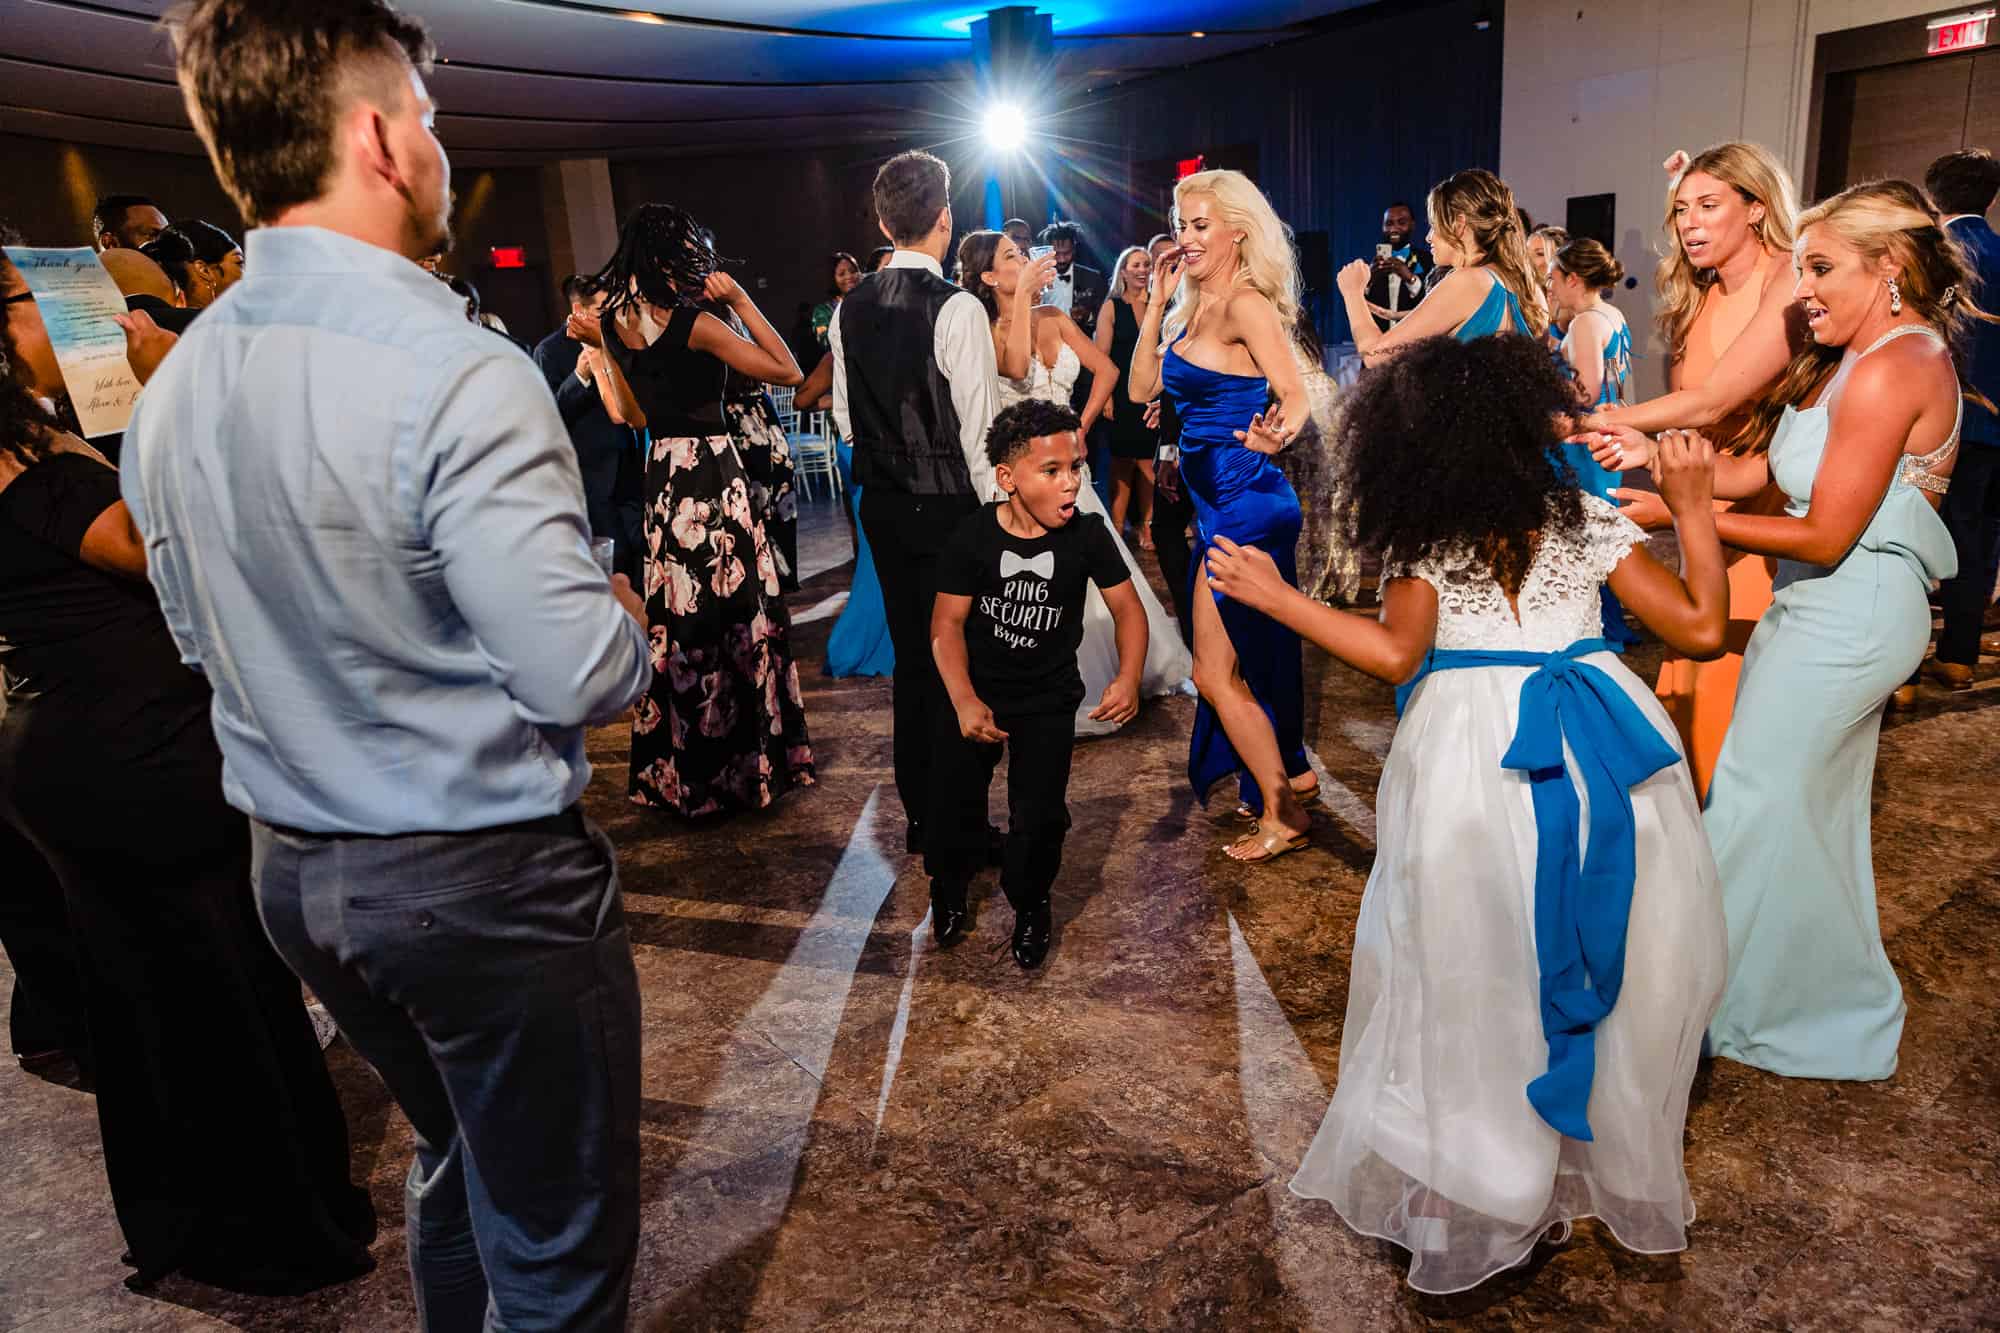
x: 1476, y: 210
x: 1758, y: 178
x: 1265, y: 261
x: 1894, y: 218
x: 1118, y: 272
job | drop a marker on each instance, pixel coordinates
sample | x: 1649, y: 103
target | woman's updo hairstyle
x: 1476, y: 209
x: 1897, y: 219
x: 1588, y: 261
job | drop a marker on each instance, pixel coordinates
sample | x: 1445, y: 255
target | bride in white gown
x: 991, y: 268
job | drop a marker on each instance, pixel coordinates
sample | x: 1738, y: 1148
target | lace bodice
x: 1559, y: 602
x: 1051, y: 385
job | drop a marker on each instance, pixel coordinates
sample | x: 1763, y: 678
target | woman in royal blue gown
x: 858, y: 644
x: 1228, y: 350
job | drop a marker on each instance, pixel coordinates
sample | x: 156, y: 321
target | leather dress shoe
x: 1903, y: 696
x: 948, y: 915
x: 1032, y: 927
x: 1951, y: 675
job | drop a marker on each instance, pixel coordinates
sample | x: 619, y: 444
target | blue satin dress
x: 1240, y: 494
x: 859, y: 643
x: 1500, y: 312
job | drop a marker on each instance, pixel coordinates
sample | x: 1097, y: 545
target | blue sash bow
x: 1581, y: 911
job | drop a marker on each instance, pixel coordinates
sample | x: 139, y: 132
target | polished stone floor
x: 847, y: 1129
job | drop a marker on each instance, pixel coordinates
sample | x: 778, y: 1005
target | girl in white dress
x: 1040, y: 352
x: 1522, y: 1022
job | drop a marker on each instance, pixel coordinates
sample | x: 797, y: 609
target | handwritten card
x: 77, y: 300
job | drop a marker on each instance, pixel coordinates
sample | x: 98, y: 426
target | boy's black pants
x: 1038, y: 754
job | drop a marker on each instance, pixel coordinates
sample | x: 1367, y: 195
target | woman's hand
x: 1646, y: 509
x: 1036, y: 275
x: 724, y: 290
x: 146, y: 343
x: 1684, y: 470
x: 1269, y: 433
x: 1166, y: 279
x: 1677, y: 162
x: 1618, y: 448
x: 1245, y: 574
x: 587, y: 328
x: 1152, y: 417
x: 1353, y: 278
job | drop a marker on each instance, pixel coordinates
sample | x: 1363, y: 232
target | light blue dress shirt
x: 363, y: 518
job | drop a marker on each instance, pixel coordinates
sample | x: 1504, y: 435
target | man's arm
x: 504, y: 511
x: 841, y: 420
x: 964, y: 348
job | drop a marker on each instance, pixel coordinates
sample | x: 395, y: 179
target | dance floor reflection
x: 847, y: 1128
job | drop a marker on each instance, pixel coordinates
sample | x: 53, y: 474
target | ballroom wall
x: 1598, y: 92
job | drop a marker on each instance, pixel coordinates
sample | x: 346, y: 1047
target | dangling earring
x: 1895, y: 297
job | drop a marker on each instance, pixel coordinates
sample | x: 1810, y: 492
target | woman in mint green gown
x: 1811, y: 993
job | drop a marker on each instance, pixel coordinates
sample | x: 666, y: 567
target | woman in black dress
x: 225, y: 1145
x: 767, y: 459
x: 1133, y: 443
x: 724, y: 726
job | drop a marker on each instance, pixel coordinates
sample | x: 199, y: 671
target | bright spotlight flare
x: 1006, y: 127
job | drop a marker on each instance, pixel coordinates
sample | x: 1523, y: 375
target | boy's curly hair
x: 1007, y: 438
x: 1452, y: 446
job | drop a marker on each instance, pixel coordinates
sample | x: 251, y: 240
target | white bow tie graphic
x: 1043, y: 565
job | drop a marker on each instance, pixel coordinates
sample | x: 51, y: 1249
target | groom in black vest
x: 915, y: 386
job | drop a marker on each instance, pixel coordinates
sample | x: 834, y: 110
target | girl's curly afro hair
x: 1452, y: 446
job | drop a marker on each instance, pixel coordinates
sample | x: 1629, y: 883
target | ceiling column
x: 1012, y: 50
x: 581, y: 218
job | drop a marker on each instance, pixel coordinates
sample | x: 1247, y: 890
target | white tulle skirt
x: 1430, y: 1141
x: 1168, y: 662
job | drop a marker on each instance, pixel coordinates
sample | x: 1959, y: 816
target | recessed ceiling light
x: 1197, y: 34
x: 642, y: 16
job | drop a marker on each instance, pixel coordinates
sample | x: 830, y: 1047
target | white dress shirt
x: 963, y: 346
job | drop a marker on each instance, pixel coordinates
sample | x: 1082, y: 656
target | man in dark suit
x: 1078, y: 292
x: 607, y: 454
x: 1402, y: 269
x: 1962, y: 185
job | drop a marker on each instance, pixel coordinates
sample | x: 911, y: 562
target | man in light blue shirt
x: 364, y: 520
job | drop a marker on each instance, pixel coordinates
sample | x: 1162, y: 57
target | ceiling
x: 532, y: 80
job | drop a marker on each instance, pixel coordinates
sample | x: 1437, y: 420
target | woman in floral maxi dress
x: 723, y: 727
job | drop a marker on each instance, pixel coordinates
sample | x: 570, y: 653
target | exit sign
x: 1958, y: 32
x: 1188, y: 166
x: 509, y: 256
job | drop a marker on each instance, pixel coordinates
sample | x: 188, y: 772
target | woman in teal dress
x: 858, y: 644
x: 1863, y: 452
x: 1494, y: 287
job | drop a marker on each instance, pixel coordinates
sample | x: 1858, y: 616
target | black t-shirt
x: 1027, y: 606
x: 86, y: 653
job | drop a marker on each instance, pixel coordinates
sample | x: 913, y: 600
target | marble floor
x: 847, y: 1129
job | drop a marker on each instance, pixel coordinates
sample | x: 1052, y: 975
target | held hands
x: 1269, y: 432
x: 1245, y: 574
x: 1619, y: 448
x: 1684, y: 470
x: 146, y: 343
x: 1353, y: 278
x: 1119, y: 705
x: 975, y: 722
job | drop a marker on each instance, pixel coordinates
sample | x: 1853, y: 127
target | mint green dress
x: 1810, y: 992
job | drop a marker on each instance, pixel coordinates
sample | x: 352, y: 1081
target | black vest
x: 898, y: 400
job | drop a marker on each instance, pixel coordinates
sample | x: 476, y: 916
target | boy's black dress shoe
x: 948, y: 914
x: 1032, y: 926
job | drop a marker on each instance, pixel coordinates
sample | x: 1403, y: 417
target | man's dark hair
x: 109, y: 214
x: 879, y: 256
x: 578, y: 287
x: 1963, y: 182
x: 1061, y: 231
x: 1163, y: 236
x: 911, y: 190
x: 1013, y: 224
x: 264, y: 83
x: 1007, y: 438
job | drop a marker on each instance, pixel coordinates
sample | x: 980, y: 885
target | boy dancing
x: 1005, y: 631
